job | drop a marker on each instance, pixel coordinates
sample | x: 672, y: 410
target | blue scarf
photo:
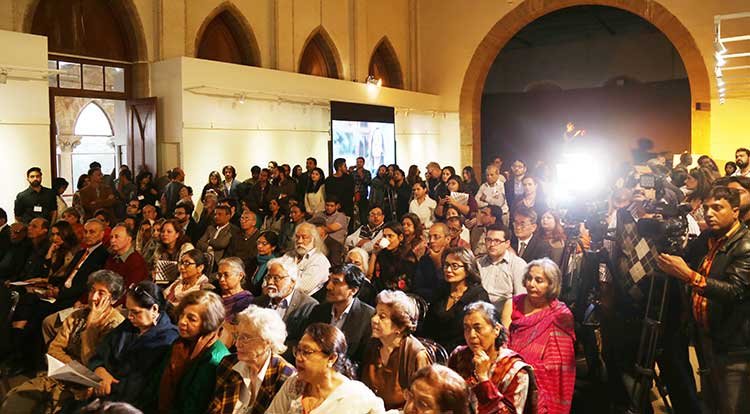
x: 262, y: 269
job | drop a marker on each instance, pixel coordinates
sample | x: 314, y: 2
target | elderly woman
x: 393, y: 355
x: 323, y: 382
x: 187, y: 375
x: 393, y: 263
x: 191, y: 266
x: 126, y: 358
x: 246, y: 382
x: 236, y: 299
x: 444, y: 320
x: 498, y: 377
x: 437, y: 389
x: 541, y: 331
x: 360, y: 258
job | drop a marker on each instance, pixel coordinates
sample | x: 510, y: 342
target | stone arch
x: 319, y: 56
x: 384, y: 64
x: 128, y: 18
x: 470, y: 102
x: 240, y: 30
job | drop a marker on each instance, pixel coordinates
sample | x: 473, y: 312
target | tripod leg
x: 662, y: 392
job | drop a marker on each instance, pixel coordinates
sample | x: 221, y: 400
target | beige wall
x: 24, y: 114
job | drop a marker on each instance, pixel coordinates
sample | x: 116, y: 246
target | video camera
x: 667, y: 225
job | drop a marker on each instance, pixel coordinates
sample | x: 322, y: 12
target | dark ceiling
x: 578, y: 23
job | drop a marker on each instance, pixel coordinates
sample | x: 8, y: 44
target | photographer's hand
x: 675, y: 266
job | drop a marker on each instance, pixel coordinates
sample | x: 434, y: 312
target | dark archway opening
x: 384, y: 65
x: 225, y: 39
x: 319, y: 57
x: 586, y: 65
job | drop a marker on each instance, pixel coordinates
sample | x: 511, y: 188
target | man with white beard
x: 310, y: 257
x: 281, y: 294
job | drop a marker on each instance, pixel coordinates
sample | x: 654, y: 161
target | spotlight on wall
x: 241, y: 99
x: 374, y: 82
x: 3, y: 77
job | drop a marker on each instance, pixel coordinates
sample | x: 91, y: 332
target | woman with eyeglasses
x: 268, y: 244
x: 185, y: 380
x: 542, y: 332
x: 323, y: 384
x: 393, y: 355
x: 247, y: 381
x: 191, y: 266
x: 126, y: 358
x: 444, y: 320
x: 499, y: 378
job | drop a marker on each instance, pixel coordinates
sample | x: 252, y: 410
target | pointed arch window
x: 226, y: 39
x: 384, y: 65
x: 319, y: 58
x: 93, y: 122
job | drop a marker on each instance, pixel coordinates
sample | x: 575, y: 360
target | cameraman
x: 719, y: 281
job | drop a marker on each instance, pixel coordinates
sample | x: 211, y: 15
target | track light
x: 374, y: 82
x: 241, y: 99
x: 3, y: 77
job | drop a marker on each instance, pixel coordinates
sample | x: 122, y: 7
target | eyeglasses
x: 263, y: 243
x: 488, y: 241
x: 243, y: 339
x: 274, y: 278
x: 454, y: 266
x: 185, y: 263
x: 305, y: 353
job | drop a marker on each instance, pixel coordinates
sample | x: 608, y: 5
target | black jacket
x: 356, y: 328
x: 95, y: 261
x: 536, y: 249
x: 727, y: 290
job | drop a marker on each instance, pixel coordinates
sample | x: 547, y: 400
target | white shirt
x: 351, y: 397
x: 738, y: 173
x: 424, y: 211
x: 502, y: 279
x: 251, y: 385
x: 353, y: 239
x: 493, y: 195
x: 313, y: 271
x: 339, y: 322
x: 283, y: 304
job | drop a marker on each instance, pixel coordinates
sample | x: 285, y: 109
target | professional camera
x: 668, y: 227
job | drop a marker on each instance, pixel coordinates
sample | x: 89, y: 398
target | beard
x: 302, y: 250
x: 741, y: 164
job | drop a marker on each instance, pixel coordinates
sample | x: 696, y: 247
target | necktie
x: 69, y: 280
x: 521, y: 248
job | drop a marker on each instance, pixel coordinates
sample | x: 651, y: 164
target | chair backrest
x: 422, y: 305
x: 436, y: 353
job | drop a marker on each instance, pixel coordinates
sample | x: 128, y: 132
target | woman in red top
x: 541, y: 331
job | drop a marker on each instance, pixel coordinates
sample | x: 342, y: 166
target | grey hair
x: 404, y: 314
x: 234, y: 263
x: 318, y: 243
x: 551, y: 272
x: 491, y: 316
x: 113, y: 281
x: 96, y: 221
x: 362, y: 254
x: 213, y: 309
x: 268, y: 325
x: 288, y: 264
x: 492, y: 167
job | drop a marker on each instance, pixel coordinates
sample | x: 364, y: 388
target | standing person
x: 378, y: 187
x: 492, y: 192
x: 400, y: 196
x: 433, y: 173
x: 171, y: 194
x: 444, y: 320
x: 59, y: 185
x: 230, y: 185
x: 341, y: 184
x: 541, y: 331
x: 304, y: 180
x: 97, y: 195
x: 35, y: 201
x: 742, y: 159
x: 214, y: 183
x: 314, y: 194
x: 83, y: 181
x: 514, y: 185
x: 147, y: 192
x: 260, y: 194
x: 553, y: 233
x: 413, y: 176
x: 362, y: 179
x: 469, y: 180
x: 532, y: 197
x: 422, y: 205
x: 718, y: 281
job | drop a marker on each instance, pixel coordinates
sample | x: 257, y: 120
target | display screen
x: 366, y: 131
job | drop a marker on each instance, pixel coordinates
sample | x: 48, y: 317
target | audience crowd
x: 293, y: 292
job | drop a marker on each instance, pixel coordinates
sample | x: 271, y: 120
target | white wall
x: 285, y: 117
x: 24, y: 115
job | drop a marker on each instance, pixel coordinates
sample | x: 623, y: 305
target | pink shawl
x: 545, y: 340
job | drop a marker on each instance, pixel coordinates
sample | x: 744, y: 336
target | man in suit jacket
x: 218, y: 235
x: 344, y: 311
x: 513, y: 187
x: 527, y: 242
x: 97, y: 195
x: 281, y: 294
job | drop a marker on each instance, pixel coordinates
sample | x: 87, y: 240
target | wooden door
x: 142, y: 134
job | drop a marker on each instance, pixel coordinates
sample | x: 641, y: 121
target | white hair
x: 234, y: 263
x: 318, y: 243
x: 268, y: 325
x: 288, y: 264
x: 362, y: 254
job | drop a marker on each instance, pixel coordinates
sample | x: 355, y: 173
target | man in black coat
x: 514, y: 186
x: 344, y: 311
x: 183, y: 212
x: 527, y: 242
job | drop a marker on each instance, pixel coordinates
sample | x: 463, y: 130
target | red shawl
x: 545, y: 340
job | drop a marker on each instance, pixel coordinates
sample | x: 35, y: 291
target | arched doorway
x: 319, y: 56
x: 384, y: 65
x: 225, y: 36
x: 528, y: 11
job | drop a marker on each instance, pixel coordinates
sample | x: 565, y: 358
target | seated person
x: 185, y: 380
x: 191, y: 265
x: 248, y: 380
x: 81, y: 332
x: 444, y: 320
x: 323, y: 383
x: 498, y: 377
x: 437, y: 389
x: 126, y: 359
x: 393, y: 355
x: 392, y: 266
x: 310, y: 255
x: 367, y: 234
x: 344, y: 310
x: 231, y: 274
